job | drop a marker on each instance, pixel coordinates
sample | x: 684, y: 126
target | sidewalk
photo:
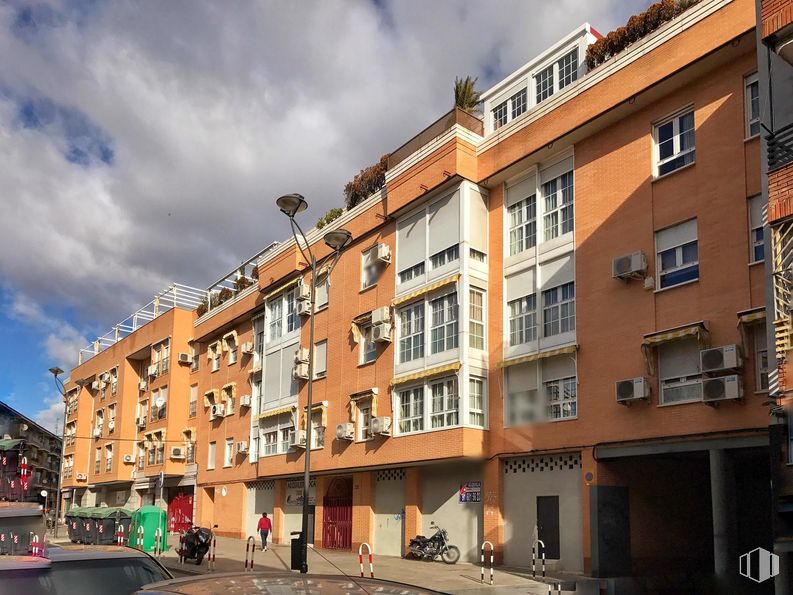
x: 457, y: 578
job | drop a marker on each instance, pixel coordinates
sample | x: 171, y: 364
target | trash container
x: 72, y: 524
x: 84, y: 525
x: 105, y: 522
x: 150, y: 518
x: 297, y: 550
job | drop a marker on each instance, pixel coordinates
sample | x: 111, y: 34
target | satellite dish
x: 223, y: 491
x: 159, y: 402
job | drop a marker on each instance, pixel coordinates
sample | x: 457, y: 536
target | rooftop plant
x: 329, y: 216
x: 368, y: 181
x: 635, y: 29
x: 466, y: 97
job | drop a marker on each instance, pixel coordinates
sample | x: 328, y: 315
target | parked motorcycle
x: 196, y: 544
x: 429, y: 548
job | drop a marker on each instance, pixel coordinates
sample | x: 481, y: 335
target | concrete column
x: 279, y: 534
x: 412, y: 503
x: 362, y: 509
x: 321, y: 483
x: 722, y: 510
x: 493, y: 524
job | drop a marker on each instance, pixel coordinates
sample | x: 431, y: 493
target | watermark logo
x: 759, y: 565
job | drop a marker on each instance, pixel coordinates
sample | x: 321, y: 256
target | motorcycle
x: 429, y: 548
x: 196, y: 544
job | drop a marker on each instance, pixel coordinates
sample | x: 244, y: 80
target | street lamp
x: 56, y: 371
x: 337, y: 240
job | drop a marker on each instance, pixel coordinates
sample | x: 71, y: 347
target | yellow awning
x: 368, y: 394
x: 276, y: 411
x: 322, y: 407
x: 224, y: 394
x: 281, y: 288
x: 226, y: 337
x: 750, y: 316
x: 696, y: 330
x: 453, y: 367
x: 364, y: 394
x: 536, y: 356
x: 426, y: 289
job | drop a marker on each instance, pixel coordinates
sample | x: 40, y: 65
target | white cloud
x: 214, y: 112
x: 51, y: 416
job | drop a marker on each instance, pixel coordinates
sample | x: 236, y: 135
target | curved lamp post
x: 56, y: 371
x: 337, y: 240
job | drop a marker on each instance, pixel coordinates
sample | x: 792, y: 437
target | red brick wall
x: 780, y: 193
x: 775, y: 14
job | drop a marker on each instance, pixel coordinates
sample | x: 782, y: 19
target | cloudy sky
x: 144, y: 142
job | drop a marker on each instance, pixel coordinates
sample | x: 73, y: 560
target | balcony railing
x: 141, y: 461
x: 780, y: 147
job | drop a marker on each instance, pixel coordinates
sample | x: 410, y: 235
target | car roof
x: 24, y: 563
x: 282, y: 583
x: 68, y: 553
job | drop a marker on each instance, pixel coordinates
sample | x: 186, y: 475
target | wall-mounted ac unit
x: 718, y: 359
x: 345, y: 431
x: 300, y: 371
x: 380, y: 425
x: 381, y: 333
x: 382, y: 252
x: 630, y: 266
x: 143, y: 385
x: 301, y: 355
x: 140, y: 421
x: 381, y: 315
x: 97, y: 432
x: 185, y: 358
x: 242, y: 447
x: 217, y: 411
x: 245, y: 401
x: 303, y: 291
x: 247, y: 348
x: 111, y: 425
x: 129, y: 459
x: 105, y: 377
x: 304, y: 308
x: 177, y: 453
x: 632, y: 389
x: 723, y: 388
x: 95, y: 385
x: 297, y: 438
x: 102, y: 385
x: 81, y: 477
x: 152, y: 370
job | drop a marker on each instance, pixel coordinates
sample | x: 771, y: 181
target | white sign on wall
x: 294, y: 492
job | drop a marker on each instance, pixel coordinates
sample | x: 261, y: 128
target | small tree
x: 466, y: 97
x: 367, y: 182
x: 329, y: 216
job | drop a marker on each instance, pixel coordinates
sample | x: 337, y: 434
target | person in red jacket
x: 264, y: 527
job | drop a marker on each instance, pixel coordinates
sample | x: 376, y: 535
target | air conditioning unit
x: 381, y: 315
x: 111, y: 425
x: 300, y: 371
x: 380, y: 425
x: 632, y: 389
x: 301, y: 355
x: 105, y: 377
x: 247, y: 348
x: 720, y: 358
x: 185, y: 358
x: 297, y: 438
x: 217, y: 411
x: 153, y: 370
x: 630, y: 266
x: 381, y: 333
x: 723, y: 388
x: 304, y: 308
x: 303, y: 291
x: 143, y: 385
x: 95, y: 385
x: 345, y: 431
x: 140, y: 422
x: 129, y: 459
x: 102, y: 385
x: 382, y: 252
x: 177, y: 453
x: 242, y: 447
x: 97, y: 432
x: 245, y: 401
x: 81, y: 477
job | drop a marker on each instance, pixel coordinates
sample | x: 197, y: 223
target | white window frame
x: 317, y: 431
x: 228, y: 453
x: 444, y: 407
x: 522, y: 315
x: 481, y: 395
x: 259, y: 339
x: 320, y: 367
x: 661, y: 273
x: 215, y: 355
x: 751, y: 119
x: 677, y: 152
x: 412, y: 272
x: 444, y: 322
x: 415, y: 325
x: 371, y: 268
x: 444, y: 257
x: 558, y: 217
x: 363, y: 416
x: 211, y: 455
x: 755, y: 241
x: 476, y: 319
x: 192, y: 404
x: 231, y: 346
x: 760, y: 341
x: 522, y: 225
x: 323, y: 279
x: 561, y: 385
x: 282, y: 318
x: 558, y: 306
x: 499, y: 114
x: 368, y: 348
x: 417, y: 406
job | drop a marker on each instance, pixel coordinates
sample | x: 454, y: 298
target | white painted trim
x: 454, y: 132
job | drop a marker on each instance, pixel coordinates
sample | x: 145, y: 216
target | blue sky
x: 142, y: 143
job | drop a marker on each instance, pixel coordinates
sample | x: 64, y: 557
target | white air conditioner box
x: 632, y: 389
x: 185, y: 358
x: 141, y: 422
x: 95, y: 385
x: 630, y: 266
x: 301, y: 355
x: 143, y: 385
x: 717, y: 359
x: 380, y: 425
x: 723, y: 388
x: 381, y: 315
x: 304, y: 308
x: 177, y: 453
x: 247, y: 348
x: 129, y: 459
x: 300, y: 371
x: 383, y: 252
x: 303, y: 291
x: 345, y: 431
x: 297, y: 438
x: 105, y: 377
x: 217, y: 411
x: 242, y: 447
x: 245, y: 401
x: 381, y: 333
x: 97, y: 432
x: 81, y: 477
x: 153, y: 370
x: 111, y: 425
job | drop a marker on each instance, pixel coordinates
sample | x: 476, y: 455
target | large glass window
x: 523, y: 225
x: 444, y: 330
x: 476, y: 402
x: 411, y: 410
x: 558, y: 309
x: 411, y: 273
x: 761, y: 356
x: 411, y: 338
x: 500, y: 113
x: 568, y: 68
x: 445, y: 409
x: 211, y: 453
x: 476, y: 319
x: 282, y: 315
x: 561, y: 398
x: 756, y: 233
x: 543, y: 84
x: 445, y: 256
x: 752, y: 105
x: 674, y: 140
x: 364, y: 417
x: 678, y: 255
x: 522, y: 320
x: 558, y: 216
x: 368, y: 346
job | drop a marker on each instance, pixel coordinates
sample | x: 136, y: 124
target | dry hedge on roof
x: 366, y: 183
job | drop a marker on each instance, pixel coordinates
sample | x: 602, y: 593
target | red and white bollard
x: 120, y: 535
x: 35, y: 546
x: 158, y: 542
x: 211, y: 554
x: 181, y: 547
x: 139, y: 542
x: 360, y: 559
x: 250, y: 547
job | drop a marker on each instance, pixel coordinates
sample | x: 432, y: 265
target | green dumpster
x: 106, y: 521
x: 150, y: 518
x: 72, y: 524
x: 85, y: 525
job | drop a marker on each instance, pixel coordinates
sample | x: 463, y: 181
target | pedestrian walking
x: 264, y: 527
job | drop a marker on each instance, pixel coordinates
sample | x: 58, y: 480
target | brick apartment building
x: 555, y: 314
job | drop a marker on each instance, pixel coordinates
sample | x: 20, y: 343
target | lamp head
x: 291, y: 204
x: 56, y: 371
x: 338, y: 239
